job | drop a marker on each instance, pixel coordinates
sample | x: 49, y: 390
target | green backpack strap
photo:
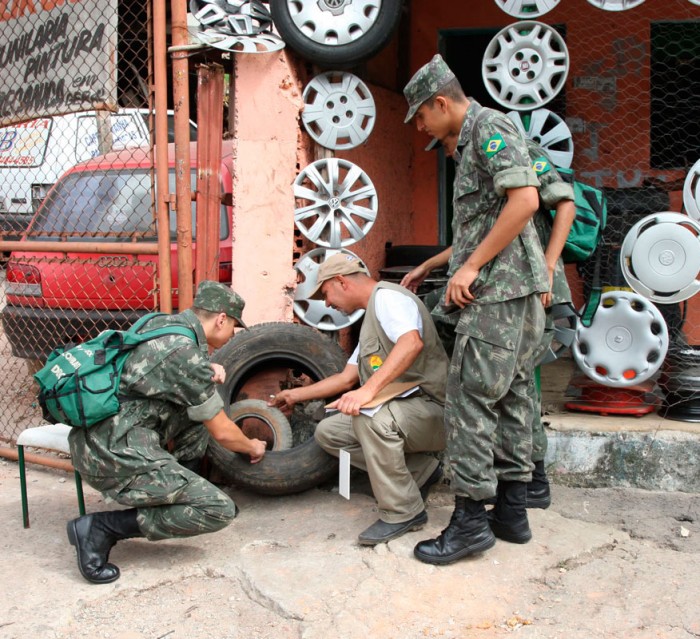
x: 596, y: 200
x: 141, y: 322
x: 594, y: 296
x: 133, y: 337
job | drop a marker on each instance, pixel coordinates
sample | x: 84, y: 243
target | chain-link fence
x: 609, y: 89
x: 625, y: 119
x: 64, y: 84
x: 630, y: 106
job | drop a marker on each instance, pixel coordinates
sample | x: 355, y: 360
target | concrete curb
x: 662, y: 460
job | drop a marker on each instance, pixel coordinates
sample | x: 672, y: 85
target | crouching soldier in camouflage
x: 170, y: 385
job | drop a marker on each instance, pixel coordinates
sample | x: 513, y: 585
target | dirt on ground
x: 617, y: 563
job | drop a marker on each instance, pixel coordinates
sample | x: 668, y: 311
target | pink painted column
x: 268, y: 101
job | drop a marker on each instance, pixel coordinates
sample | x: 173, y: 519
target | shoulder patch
x: 375, y: 362
x: 494, y: 144
x: 541, y: 165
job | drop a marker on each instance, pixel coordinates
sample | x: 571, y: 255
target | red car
x: 57, y: 298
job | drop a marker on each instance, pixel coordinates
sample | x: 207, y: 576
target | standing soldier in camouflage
x: 555, y: 195
x: 169, y: 383
x: 497, y: 273
x: 558, y: 196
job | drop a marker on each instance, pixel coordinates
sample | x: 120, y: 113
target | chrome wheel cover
x: 525, y: 65
x: 339, y: 110
x: 336, y: 203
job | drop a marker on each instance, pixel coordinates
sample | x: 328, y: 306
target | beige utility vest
x: 429, y: 370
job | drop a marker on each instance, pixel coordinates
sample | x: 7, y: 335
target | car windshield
x: 105, y: 205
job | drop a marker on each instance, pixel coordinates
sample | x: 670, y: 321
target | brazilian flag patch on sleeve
x: 494, y: 144
x: 541, y: 166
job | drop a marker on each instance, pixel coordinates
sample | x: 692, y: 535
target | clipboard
x: 390, y: 391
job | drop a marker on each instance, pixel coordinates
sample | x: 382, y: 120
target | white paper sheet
x: 344, y: 474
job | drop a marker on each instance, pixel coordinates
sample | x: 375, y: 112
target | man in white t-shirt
x: 398, y: 349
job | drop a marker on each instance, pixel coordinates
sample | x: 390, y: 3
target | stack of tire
x: 268, y: 357
x: 259, y: 362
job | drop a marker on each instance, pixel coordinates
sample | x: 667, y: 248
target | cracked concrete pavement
x: 617, y: 563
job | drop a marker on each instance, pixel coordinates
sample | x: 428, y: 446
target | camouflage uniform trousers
x: 392, y: 447
x: 489, y: 411
x: 539, y: 437
x: 445, y: 325
x: 172, y: 501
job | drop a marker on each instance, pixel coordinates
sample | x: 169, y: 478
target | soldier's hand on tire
x: 258, y: 450
x: 219, y: 376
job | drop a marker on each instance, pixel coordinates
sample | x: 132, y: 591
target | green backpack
x: 591, y: 217
x: 79, y: 384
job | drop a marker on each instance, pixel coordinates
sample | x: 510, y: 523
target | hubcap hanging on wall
x: 549, y: 131
x: 527, y: 8
x: 660, y: 257
x: 315, y: 312
x: 525, y: 65
x: 336, y: 203
x: 339, y: 110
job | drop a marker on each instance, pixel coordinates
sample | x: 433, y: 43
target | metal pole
x: 120, y: 248
x: 232, y: 115
x: 210, y: 94
x: 160, y: 96
x: 183, y: 190
x: 60, y: 464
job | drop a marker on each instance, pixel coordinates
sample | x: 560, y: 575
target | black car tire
x: 272, y: 417
x: 337, y: 56
x: 279, y: 350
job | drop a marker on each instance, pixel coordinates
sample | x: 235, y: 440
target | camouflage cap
x: 425, y: 83
x: 339, y: 264
x: 219, y: 298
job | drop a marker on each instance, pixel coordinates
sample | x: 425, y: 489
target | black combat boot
x: 508, y: 519
x: 468, y: 533
x: 94, y: 536
x: 538, y: 495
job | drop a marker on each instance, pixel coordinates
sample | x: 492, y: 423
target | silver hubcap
x: 626, y: 342
x: 691, y: 192
x: 615, y: 5
x: 525, y: 65
x: 549, y: 131
x: 336, y: 203
x: 339, y: 110
x: 334, y: 22
x: 660, y: 257
x: 527, y: 8
x: 315, y: 312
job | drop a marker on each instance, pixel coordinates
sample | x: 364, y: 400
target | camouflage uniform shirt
x: 491, y: 158
x: 552, y: 190
x: 168, y: 384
